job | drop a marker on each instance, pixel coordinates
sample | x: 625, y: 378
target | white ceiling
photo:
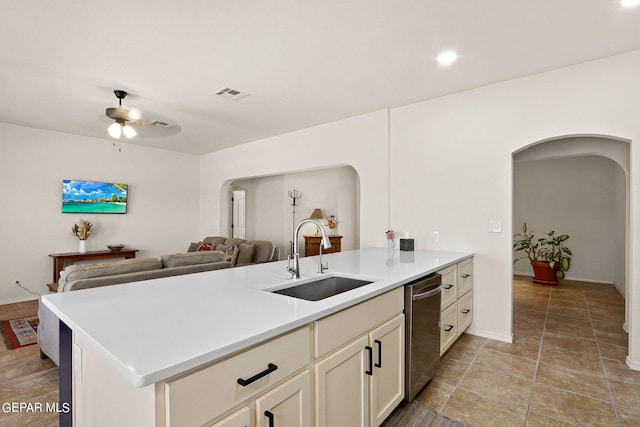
x: 303, y: 62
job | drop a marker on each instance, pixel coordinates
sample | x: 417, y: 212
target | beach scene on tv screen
x: 93, y: 197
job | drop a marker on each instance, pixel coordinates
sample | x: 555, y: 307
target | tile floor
x: 565, y: 368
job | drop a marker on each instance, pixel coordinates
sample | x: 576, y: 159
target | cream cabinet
x: 289, y: 404
x: 342, y: 396
x: 359, y: 372
x: 200, y: 397
x: 241, y: 418
x: 456, y: 302
x: 387, y: 380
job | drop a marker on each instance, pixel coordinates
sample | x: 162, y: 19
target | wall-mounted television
x: 93, y: 197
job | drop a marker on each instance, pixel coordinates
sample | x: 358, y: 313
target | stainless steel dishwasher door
x: 422, y: 352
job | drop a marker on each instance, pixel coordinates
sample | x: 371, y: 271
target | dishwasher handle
x: 427, y: 294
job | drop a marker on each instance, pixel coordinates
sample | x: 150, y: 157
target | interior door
x: 238, y: 226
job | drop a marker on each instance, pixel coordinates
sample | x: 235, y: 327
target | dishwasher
x: 422, y: 340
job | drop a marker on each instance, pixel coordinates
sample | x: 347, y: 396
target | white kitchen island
x: 129, y: 347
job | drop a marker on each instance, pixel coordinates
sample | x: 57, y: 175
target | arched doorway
x: 579, y: 185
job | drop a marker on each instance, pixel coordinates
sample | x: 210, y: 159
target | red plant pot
x: 543, y: 274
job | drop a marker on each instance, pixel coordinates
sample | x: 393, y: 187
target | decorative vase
x: 543, y: 274
x: 82, y: 247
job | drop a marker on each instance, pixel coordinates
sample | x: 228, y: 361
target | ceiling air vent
x: 232, y: 94
x: 161, y: 124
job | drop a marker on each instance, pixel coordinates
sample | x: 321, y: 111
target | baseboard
x: 490, y: 335
x: 577, y: 279
x: 632, y: 365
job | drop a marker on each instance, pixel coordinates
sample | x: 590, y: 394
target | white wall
x: 334, y: 144
x: 269, y: 211
x: 162, y: 210
x: 451, y: 167
x: 574, y: 196
x: 448, y: 167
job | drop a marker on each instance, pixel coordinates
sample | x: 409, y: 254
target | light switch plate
x: 495, y: 226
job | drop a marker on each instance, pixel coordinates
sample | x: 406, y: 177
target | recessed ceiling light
x: 447, y: 57
x: 629, y: 3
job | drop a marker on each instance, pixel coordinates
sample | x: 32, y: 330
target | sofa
x: 240, y: 252
x: 84, y: 276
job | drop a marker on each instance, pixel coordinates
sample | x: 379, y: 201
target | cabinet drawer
x: 203, y: 395
x: 465, y: 312
x: 465, y: 276
x: 343, y: 326
x: 448, y: 327
x: 449, y: 286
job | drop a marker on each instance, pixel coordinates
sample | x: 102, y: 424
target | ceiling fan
x: 123, y: 117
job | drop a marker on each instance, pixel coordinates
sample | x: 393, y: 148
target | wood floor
x: 24, y: 377
x: 565, y: 368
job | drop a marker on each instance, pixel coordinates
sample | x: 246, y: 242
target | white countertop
x: 152, y: 330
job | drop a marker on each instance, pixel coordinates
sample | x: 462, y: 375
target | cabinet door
x: 342, y: 395
x: 449, y: 286
x: 287, y: 405
x: 465, y: 312
x: 465, y: 276
x: 387, y: 382
x: 241, y: 418
x: 448, y: 327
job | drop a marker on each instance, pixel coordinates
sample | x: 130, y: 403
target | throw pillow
x: 229, y: 250
x: 193, y: 246
x: 204, y: 247
x: 245, y: 254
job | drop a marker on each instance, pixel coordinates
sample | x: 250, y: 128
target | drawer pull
x: 464, y: 276
x: 448, y: 328
x: 448, y: 286
x: 370, y: 351
x: 270, y: 368
x: 466, y: 311
x: 269, y: 416
x: 379, y: 364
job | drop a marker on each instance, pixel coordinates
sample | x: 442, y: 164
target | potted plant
x: 549, y: 258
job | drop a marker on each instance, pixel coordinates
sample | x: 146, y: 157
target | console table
x: 312, y: 245
x: 59, y: 260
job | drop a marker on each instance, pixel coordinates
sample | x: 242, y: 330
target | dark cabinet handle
x: 269, y: 416
x: 464, y: 276
x: 370, y: 351
x: 379, y: 364
x: 448, y: 286
x: 448, y: 328
x: 270, y: 368
x: 466, y: 311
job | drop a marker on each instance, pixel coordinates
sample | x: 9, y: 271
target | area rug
x: 20, y: 332
x: 416, y: 415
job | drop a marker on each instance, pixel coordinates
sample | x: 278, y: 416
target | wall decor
x: 93, y: 197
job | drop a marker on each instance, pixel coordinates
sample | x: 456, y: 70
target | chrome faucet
x: 324, y: 243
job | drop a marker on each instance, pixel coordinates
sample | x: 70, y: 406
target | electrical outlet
x: 436, y: 236
x: 16, y: 284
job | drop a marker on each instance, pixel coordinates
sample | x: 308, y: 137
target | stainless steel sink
x: 322, y: 288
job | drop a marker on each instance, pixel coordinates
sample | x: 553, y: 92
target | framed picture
x: 93, y: 197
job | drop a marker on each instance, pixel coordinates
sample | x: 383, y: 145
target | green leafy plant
x: 549, y: 249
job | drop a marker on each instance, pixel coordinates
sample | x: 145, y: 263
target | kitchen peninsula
x: 159, y: 352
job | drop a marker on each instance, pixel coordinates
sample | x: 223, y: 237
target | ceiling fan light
x: 115, y: 130
x: 129, y: 132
